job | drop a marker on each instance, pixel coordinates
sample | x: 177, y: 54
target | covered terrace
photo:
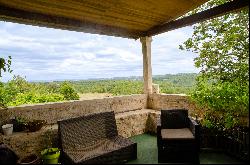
x: 135, y: 114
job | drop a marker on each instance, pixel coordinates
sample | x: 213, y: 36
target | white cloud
x: 44, y: 54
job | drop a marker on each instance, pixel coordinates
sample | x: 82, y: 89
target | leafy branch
x: 5, y: 65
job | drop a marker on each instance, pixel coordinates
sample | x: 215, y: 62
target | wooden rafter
x: 199, y: 17
x: 33, y: 18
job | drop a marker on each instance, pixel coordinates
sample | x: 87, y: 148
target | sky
x: 47, y: 54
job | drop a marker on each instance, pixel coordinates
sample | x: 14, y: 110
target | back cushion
x: 85, y: 130
x: 174, y: 119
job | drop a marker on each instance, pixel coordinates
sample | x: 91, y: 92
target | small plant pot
x: 7, y: 129
x: 50, y: 155
x: 35, y: 125
x: 31, y: 159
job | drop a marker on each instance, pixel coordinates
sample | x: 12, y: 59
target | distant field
x: 87, y: 96
x: 19, y: 91
x: 170, y: 84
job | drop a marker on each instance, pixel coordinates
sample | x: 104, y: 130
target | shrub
x: 68, y: 91
x: 32, y: 97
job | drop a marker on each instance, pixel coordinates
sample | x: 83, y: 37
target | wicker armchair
x: 93, y: 139
x: 177, y: 137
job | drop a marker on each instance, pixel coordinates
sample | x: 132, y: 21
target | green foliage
x: 10, y: 90
x: 32, y: 98
x: 171, y: 84
x: 224, y: 97
x: 181, y: 83
x: 5, y: 65
x: 220, y: 121
x: 18, y: 91
x: 222, y: 44
x: 21, y: 120
x: 116, y: 87
x: 68, y: 91
x: 223, y: 47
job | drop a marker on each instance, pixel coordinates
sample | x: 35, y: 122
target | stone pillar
x: 147, y: 69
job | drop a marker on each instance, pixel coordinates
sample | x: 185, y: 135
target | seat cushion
x: 182, y: 133
x: 100, y: 147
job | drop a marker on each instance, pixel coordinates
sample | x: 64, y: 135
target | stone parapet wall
x: 128, y: 124
x: 171, y: 101
x: 52, y: 112
x: 133, y: 122
x: 132, y: 117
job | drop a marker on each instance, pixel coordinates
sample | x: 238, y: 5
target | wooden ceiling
x: 124, y: 18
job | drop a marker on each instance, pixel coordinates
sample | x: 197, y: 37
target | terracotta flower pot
x: 31, y: 159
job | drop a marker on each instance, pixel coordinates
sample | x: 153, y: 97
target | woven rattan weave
x: 93, y: 139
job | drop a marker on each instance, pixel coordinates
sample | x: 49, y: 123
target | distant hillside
x: 169, y: 83
x: 181, y: 79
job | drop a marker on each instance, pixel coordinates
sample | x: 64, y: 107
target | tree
x: 68, y: 91
x: 223, y: 47
x: 5, y: 65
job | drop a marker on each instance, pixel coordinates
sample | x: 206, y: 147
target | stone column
x: 147, y: 69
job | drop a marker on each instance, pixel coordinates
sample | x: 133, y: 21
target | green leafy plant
x: 50, y: 155
x: 68, y: 91
x: 19, y: 123
x: 33, y: 97
x: 5, y: 65
x: 222, y: 86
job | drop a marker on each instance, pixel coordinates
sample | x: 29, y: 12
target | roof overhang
x: 122, y: 18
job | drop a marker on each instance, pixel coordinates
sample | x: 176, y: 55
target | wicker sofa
x: 178, y: 137
x: 93, y: 139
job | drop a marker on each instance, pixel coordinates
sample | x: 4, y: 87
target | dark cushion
x: 7, y: 155
x: 174, y: 119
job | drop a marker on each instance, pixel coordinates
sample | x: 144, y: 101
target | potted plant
x: 19, y: 124
x: 35, y: 125
x: 50, y: 155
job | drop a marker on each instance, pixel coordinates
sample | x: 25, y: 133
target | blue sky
x: 40, y: 53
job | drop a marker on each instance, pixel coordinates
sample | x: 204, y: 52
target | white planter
x: 7, y: 129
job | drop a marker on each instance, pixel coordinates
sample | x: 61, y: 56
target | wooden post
x: 147, y: 69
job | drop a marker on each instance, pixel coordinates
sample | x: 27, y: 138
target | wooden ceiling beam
x: 199, y: 17
x: 39, y: 19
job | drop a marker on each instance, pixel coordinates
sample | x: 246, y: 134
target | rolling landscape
x: 19, y: 91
